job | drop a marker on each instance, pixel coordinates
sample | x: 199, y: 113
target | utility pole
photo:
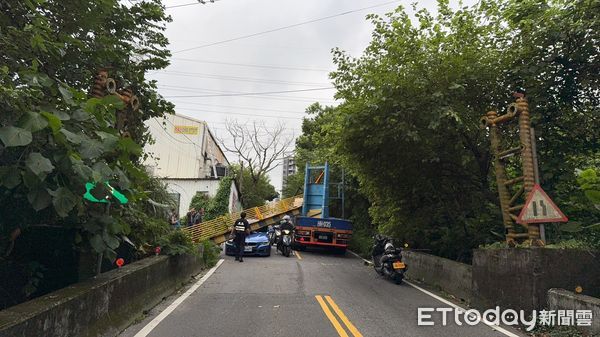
x: 536, y: 175
x: 241, y: 177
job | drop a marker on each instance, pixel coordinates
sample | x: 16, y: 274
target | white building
x: 186, y: 156
x: 289, y: 168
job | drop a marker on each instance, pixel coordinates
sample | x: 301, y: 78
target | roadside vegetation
x: 54, y: 139
x: 407, y: 130
x: 253, y: 193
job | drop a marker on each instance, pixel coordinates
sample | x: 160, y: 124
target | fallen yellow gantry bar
x: 218, y: 229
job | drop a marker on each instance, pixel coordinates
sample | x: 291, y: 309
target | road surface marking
x: 298, y: 255
x: 150, y: 326
x: 343, y: 317
x: 462, y: 310
x: 331, y: 317
x: 458, y: 308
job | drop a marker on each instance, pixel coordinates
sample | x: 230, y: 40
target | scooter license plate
x: 399, y: 265
x: 248, y: 248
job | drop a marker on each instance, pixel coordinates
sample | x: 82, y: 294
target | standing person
x: 190, y: 218
x: 201, y: 214
x: 197, y: 218
x: 174, y: 218
x: 241, y: 227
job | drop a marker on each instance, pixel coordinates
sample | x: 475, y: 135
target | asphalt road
x: 311, y: 294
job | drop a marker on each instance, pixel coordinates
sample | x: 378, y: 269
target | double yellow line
x: 336, y: 324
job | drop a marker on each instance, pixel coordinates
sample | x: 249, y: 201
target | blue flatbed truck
x: 315, y: 227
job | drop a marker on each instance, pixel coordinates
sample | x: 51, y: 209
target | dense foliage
x: 312, y: 147
x: 177, y: 242
x: 54, y: 138
x: 253, y: 192
x: 216, y: 206
x: 408, y: 127
x: 200, y: 200
x: 210, y: 253
x: 219, y: 205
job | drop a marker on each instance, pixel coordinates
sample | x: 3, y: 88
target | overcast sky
x: 296, y: 58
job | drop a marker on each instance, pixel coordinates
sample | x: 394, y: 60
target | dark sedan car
x: 256, y: 244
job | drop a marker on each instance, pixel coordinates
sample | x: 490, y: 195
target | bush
x: 557, y: 331
x: 200, y: 200
x: 211, y: 253
x: 219, y: 205
x: 361, y: 243
x: 178, y: 242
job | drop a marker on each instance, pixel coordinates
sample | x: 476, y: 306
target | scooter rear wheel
x: 398, y: 278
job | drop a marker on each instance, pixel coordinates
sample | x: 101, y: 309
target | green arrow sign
x: 89, y: 187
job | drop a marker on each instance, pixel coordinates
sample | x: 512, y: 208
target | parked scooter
x: 285, y: 244
x: 387, y: 259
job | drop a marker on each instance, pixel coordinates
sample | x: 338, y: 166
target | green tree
x: 254, y: 193
x: 312, y: 146
x: 407, y: 129
x: 200, y: 200
x: 294, y: 184
x: 219, y: 204
x: 556, y: 60
x: 53, y: 137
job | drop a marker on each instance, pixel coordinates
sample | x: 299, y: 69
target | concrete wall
x: 560, y: 299
x: 102, y: 306
x: 450, y: 276
x: 521, y: 278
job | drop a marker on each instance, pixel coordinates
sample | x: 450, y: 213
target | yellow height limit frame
x: 218, y: 228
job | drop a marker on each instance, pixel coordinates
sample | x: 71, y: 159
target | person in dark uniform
x: 241, y: 227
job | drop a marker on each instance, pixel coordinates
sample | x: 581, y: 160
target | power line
x: 177, y: 147
x: 245, y: 108
x: 241, y: 114
x: 270, y: 97
x: 286, y: 47
x: 208, y: 123
x: 275, y: 98
x: 253, y: 65
x: 188, y: 138
x: 251, y: 120
x: 191, y: 3
x: 252, y: 93
x: 168, y: 134
x: 284, y: 27
x: 236, y: 78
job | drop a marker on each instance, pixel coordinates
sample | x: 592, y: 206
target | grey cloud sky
x: 306, y: 47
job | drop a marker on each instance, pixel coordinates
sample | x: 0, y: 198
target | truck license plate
x: 248, y: 248
x: 323, y: 237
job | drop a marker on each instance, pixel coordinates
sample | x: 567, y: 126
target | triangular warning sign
x: 540, y: 208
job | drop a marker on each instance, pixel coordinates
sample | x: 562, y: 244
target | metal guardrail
x: 221, y: 225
